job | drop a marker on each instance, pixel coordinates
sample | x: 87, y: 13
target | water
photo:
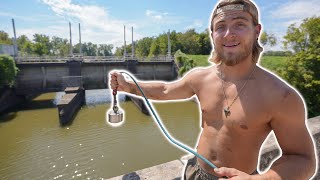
x: 34, y: 146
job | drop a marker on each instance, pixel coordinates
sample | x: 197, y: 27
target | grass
x: 200, y: 60
x: 270, y: 62
x: 273, y: 62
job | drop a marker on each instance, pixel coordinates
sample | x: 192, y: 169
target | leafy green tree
x: 154, y: 49
x: 119, y: 51
x: 163, y: 43
x: 8, y: 71
x: 175, y: 44
x: 89, y: 49
x: 42, y: 44
x: 60, y: 46
x: 4, y: 38
x: 25, y: 46
x: 303, y: 68
x: 268, y: 39
x: 142, y: 47
x: 205, y: 44
x: 184, y: 62
x: 105, y: 50
x: 190, y: 42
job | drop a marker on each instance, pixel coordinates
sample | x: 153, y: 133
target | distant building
x: 7, y: 49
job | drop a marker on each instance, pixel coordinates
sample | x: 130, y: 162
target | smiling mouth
x: 231, y: 45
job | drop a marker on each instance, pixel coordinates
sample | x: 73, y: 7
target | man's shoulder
x: 272, y: 79
x: 276, y: 86
x: 200, y: 71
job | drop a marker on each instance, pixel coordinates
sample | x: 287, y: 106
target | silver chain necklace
x: 226, y: 110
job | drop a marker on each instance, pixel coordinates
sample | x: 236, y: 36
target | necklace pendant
x: 227, y: 112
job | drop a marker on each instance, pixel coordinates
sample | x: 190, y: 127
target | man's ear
x: 258, y: 30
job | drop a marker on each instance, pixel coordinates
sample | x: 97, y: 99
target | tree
x: 60, y: 46
x: 175, y: 44
x: 205, y: 44
x: 184, y: 62
x: 190, y: 42
x: 303, y: 68
x: 89, y: 49
x: 163, y: 43
x: 105, y: 50
x: 42, y: 44
x: 8, y: 71
x: 154, y: 49
x: 142, y: 47
x: 25, y: 46
x: 4, y: 38
x: 304, y: 37
x: 268, y: 39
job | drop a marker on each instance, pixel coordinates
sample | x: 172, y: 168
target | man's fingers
x: 113, y: 81
x: 114, y: 75
x: 117, y: 81
x: 229, y: 172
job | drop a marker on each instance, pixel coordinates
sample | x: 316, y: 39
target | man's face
x: 233, y: 36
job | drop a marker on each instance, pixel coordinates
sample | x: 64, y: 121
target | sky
x: 103, y: 21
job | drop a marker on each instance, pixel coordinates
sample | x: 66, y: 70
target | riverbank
x: 173, y: 169
x: 9, y: 99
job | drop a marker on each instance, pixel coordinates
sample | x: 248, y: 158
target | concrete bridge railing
x: 59, y: 59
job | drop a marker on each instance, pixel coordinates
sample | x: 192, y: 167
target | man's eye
x: 220, y: 27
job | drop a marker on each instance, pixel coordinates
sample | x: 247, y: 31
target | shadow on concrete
x: 177, y: 178
x: 131, y: 176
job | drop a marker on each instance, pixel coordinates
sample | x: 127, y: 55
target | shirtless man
x: 241, y: 103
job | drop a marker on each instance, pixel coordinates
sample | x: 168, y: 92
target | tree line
x: 189, y: 42
x: 44, y: 45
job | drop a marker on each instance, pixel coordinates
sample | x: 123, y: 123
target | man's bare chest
x: 249, y: 110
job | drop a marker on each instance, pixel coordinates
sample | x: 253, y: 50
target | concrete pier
x: 70, y: 104
x: 140, y: 104
x: 270, y: 150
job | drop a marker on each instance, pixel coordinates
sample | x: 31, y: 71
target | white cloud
x: 155, y: 14
x: 297, y: 10
x: 97, y: 26
x: 195, y: 25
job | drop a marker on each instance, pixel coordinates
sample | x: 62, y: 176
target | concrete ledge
x: 173, y: 169
x: 169, y: 170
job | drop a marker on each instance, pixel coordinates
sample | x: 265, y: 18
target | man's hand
x: 232, y: 173
x: 118, y: 82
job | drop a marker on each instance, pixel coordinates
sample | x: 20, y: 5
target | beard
x: 234, y: 58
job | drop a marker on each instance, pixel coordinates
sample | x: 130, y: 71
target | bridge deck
x: 87, y: 59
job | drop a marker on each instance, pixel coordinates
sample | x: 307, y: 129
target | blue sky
x: 102, y: 20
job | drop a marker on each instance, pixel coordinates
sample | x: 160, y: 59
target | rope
x: 165, y: 131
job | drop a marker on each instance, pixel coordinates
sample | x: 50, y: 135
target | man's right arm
x: 156, y: 90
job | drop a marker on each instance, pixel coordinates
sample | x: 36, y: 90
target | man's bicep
x: 180, y: 89
x: 288, y: 124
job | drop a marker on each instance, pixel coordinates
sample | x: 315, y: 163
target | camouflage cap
x: 241, y: 5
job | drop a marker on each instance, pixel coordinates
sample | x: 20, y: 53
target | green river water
x: 34, y: 146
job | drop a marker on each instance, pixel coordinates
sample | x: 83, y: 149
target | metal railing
x: 59, y: 59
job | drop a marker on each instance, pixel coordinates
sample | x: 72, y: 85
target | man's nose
x: 229, y: 32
